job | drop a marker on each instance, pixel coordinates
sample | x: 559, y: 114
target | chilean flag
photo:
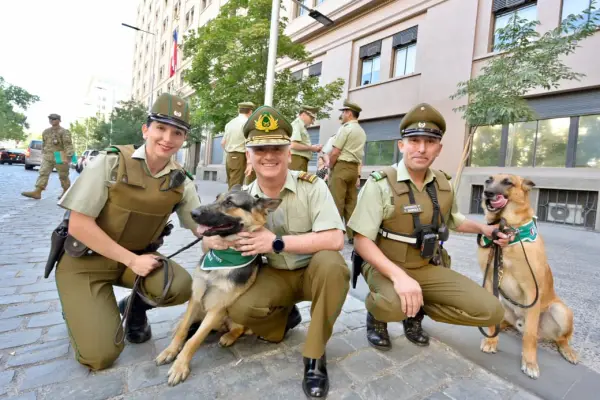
x: 174, y: 58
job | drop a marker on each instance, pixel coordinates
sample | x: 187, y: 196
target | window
x: 163, y: 47
x: 485, y: 151
x: 301, y: 10
x: 165, y: 23
x: 538, y: 143
x: 315, y: 70
x: 370, y: 63
x: 189, y: 17
x: 504, y: 12
x: 182, y: 78
x: 405, y: 45
x: 380, y: 152
x: 161, y: 72
x: 158, y: 92
x: 297, y: 75
x: 577, y: 7
x: 203, y: 5
x: 588, y: 142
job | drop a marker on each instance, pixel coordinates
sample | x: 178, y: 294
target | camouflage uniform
x: 55, y: 139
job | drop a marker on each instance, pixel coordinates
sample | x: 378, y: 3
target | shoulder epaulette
x: 378, y: 175
x: 305, y: 176
x: 446, y: 175
x: 112, y: 149
x: 189, y: 175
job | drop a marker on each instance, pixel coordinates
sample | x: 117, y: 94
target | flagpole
x: 272, y: 57
x: 151, y: 99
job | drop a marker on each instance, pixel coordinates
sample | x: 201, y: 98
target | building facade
x: 395, y: 54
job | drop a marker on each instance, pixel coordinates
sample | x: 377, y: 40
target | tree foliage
x: 526, y: 60
x: 14, y: 100
x: 229, y: 66
x: 127, y: 120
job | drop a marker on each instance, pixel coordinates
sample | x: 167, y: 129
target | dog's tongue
x: 202, y: 228
x: 498, y: 201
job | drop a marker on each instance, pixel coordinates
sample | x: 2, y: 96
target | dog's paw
x: 227, y: 339
x: 531, y: 369
x: 167, y: 356
x: 569, y: 354
x: 489, y: 346
x: 178, y: 372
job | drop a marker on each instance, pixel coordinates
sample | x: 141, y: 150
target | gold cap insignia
x: 421, y: 124
x: 266, y: 123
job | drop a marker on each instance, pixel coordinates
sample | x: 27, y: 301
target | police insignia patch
x: 266, y: 123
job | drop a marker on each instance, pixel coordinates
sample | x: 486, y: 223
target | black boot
x: 413, y: 330
x: 316, y: 381
x: 138, y: 329
x: 293, y: 320
x: 377, y: 333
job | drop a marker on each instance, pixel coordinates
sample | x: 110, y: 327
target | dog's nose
x: 196, y: 213
x: 488, y: 194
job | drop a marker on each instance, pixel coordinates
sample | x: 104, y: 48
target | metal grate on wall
x: 476, y: 194
x: 568, y: 207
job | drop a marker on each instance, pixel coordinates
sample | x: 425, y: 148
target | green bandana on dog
x: 225, y: 259
x: 525, y: 233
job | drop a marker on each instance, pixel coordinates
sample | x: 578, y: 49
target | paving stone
x: 296, y: 336
x: 446, y: 361
x: 343, y: 394
x: 89, y: 388
x: 146, y: 375
x: 438, y: 396
x: 357, y: 339
x: 162, y: 314
x: 353, y: 304
x: 482, y: 385
x: 248, y: 346
x: 10, y: 324
x: 25, y: 309
x: 402, y: 350
x: 41, y: 346
x: 134, y: 353
x: 211, y: 357
x: 56, y: 332
x: 303, y: 304
x: 388, y: 387
x: 33, y: 357
x: 339, y: 328
x: 20, y: 338
x: 52, y: 372
x: 16, y: 298
x: 364, y: 365
x: 248, y: 378
x: 422, y: 376
x: 21, y: 281
x: 338, y: 348
x: 39, y: 287
x: 24, y: 396
x: 353, y: 320
x: 45, y: 296
x: 284, y: 366
x: 7, y: 291
x: 523, y: 395
x: 53, y: 318
x: 305, y: 314
x: 5, y: 378
x: 200, y: 388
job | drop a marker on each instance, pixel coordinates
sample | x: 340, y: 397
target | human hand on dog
x: 410, y: 293
x: 217, y: 243
x: 257, y: 242
x: 144, y: 264
x: 503, y: 239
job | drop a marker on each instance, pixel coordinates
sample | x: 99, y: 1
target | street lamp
x: 151, y: 98
x: 273, y: 38
x: 111, y: 111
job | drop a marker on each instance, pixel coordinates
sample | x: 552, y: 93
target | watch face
x: 278, y: 245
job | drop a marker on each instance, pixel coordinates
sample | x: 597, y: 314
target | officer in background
x: 301, y: 240
x: 344, y: 160
x: 119, y: 207
x: 403, y: 213
x: 302, y: 148
x: 54, y: 139
x: 233, y: 143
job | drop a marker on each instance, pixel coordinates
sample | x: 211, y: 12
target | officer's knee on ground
x: 103, y: 359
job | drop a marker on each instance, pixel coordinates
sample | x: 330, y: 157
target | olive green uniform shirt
x: 300, y: 134
x: 375, y: 204
x: 350, y: 140
x: 305, y: 207
x: 234, y: 135
x: 89, y: 193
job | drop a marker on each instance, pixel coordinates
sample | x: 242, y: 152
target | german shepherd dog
x: 507, y: 196
x: 214, y: 290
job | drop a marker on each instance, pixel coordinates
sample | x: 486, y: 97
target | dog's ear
x: 236, y: 188
x: 268, y: 205
x: 527, y: 184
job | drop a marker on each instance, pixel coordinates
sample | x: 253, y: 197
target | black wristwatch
x: 278, y: 245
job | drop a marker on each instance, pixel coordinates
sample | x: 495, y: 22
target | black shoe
x: 377, y: 333
x: 138, y: 329
x: 414, y: 331
x: 351, y: 241
x: 293, y: 320
x: 316, y: 380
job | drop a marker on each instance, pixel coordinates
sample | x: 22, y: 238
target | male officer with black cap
x: 402, y: 216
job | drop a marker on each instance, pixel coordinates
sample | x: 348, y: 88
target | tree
x: 127, y: 120
x: 13, y: 100
x: 229, y: 66
x: 526, y: 61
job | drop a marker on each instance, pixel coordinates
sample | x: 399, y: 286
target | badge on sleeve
x: 412, y: 209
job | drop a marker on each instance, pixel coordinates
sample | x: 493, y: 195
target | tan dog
x: 507, y: 196
x: 216, y: 284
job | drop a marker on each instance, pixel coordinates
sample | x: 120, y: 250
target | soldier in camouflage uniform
x: 54, y: 139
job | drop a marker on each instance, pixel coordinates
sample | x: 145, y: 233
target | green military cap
x: 312, y: 111
x: 267, y: 127
x: 423, y: 120
x: 247, y: 104
x: 351, y: 106
x: 54, y: 116
x: 172, y: 110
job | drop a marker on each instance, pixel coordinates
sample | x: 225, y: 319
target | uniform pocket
x: 300, y: 224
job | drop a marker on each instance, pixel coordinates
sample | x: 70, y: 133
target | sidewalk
x: 36, y: 359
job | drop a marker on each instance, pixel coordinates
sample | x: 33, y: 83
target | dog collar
x: 525, y: 233
x: 225, y: 259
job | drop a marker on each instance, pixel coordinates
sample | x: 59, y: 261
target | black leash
x: 138, y: 290
x: 497, y: 257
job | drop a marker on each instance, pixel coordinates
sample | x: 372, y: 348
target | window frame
x: 506, y: 11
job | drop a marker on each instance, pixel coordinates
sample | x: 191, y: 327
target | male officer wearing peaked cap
x: 233, y: 143
x: 345, y: 160
x: 301, y: 240
x: 302, y: 148
x: 403, y: 213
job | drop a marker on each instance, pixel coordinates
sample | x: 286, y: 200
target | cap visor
x: 258, y: 143
x: 433, y: 135
x: 170, y: 122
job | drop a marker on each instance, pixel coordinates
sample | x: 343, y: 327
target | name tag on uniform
x: 412, y: 209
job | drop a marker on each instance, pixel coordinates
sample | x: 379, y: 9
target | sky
x: 52, y: 48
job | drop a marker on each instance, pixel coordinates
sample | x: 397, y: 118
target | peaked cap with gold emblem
x: 172, y: 110
x: 423, y: 120
x: 267, y: 127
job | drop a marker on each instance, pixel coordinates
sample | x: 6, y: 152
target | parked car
x: 85, y: 158
x: 33, y: 154
x: 12, y: 156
